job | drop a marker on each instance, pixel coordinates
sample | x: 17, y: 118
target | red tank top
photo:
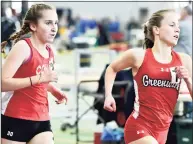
x: 29, y: 103
x: 156, y: 95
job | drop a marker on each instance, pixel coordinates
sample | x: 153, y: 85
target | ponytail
x: 148, y: 43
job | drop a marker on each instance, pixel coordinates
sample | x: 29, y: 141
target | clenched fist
x: 110, y: 104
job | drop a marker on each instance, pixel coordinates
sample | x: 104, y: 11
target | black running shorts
x: 21, y: 130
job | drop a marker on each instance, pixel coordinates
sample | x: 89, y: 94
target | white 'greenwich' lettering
x: 159, y: 83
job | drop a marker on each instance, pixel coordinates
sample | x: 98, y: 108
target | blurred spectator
x: 132, y: 24
x: 102, y: 36
x: 15, y: 19
x: 8, y: 26
x: 114, y: 26
x: 105, y: 23
x: 185, y: 39
x: 61, y: 22
x: 69, y: 18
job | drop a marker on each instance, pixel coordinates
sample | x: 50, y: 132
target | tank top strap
x: 31, y: 49
x: 176, y: 56
x: 29, y: 43
x: 147, y: 56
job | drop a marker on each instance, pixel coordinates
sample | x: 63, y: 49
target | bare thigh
x: 145, y: 140
x: 42, y: 138
x: 5, y: 141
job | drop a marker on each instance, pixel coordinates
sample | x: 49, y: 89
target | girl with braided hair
x: 157, y: 73
x: 26, y: 76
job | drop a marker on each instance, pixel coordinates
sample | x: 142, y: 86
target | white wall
x: 122, y: 9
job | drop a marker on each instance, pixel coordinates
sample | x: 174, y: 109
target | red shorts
x: 137, y: 128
